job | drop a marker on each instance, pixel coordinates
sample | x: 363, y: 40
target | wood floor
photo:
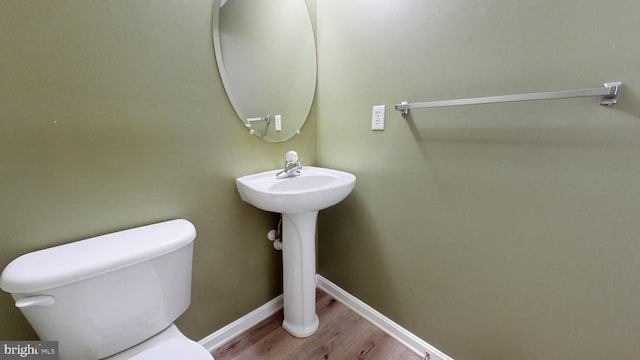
x: 342, y: 335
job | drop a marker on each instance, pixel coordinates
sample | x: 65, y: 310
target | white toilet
x: 114, y: 296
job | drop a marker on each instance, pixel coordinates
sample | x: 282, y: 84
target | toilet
x: 113, y: 296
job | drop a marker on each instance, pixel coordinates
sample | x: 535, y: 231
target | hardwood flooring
x: 342, y: 335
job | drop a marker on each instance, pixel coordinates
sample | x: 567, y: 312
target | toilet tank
x: 102, y: 295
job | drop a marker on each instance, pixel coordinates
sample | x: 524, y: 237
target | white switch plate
x: 377, y: 117
x: 278, y: 123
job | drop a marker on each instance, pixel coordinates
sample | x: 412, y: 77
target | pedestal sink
x: 299, y: 199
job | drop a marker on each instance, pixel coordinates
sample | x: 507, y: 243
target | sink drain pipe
x: 275, y: 235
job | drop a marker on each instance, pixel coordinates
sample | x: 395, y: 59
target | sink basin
x: 299, y: 199
x: 313, y: 190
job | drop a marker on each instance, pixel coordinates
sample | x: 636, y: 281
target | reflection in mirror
x: 266, y: 55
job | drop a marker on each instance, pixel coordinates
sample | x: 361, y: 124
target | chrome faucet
x: 292, y: 166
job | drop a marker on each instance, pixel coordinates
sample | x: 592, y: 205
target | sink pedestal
x: 299, y: 273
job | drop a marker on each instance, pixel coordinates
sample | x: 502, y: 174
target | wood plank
x: 342, y: 335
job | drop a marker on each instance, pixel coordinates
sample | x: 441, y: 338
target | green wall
x: 505, y: 231
x: 113, y: 115
x: 502, y: 231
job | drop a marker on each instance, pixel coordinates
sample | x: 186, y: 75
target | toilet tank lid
x: 68, y: 263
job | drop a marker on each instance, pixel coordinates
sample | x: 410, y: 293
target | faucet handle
x: 291, y: 156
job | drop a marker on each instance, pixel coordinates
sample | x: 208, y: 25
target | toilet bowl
x: 169, y: 344
x: 114, y: 296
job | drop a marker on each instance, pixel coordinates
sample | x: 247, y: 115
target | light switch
x: 278, y: 123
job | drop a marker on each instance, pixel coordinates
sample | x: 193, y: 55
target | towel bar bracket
x: 612, y: 97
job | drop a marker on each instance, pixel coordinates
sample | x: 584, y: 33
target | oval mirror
x: 266, y: 56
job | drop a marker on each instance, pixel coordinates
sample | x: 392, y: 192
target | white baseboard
x: 241, y: 325
x: 411, y: 341
x: 246, y: 322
